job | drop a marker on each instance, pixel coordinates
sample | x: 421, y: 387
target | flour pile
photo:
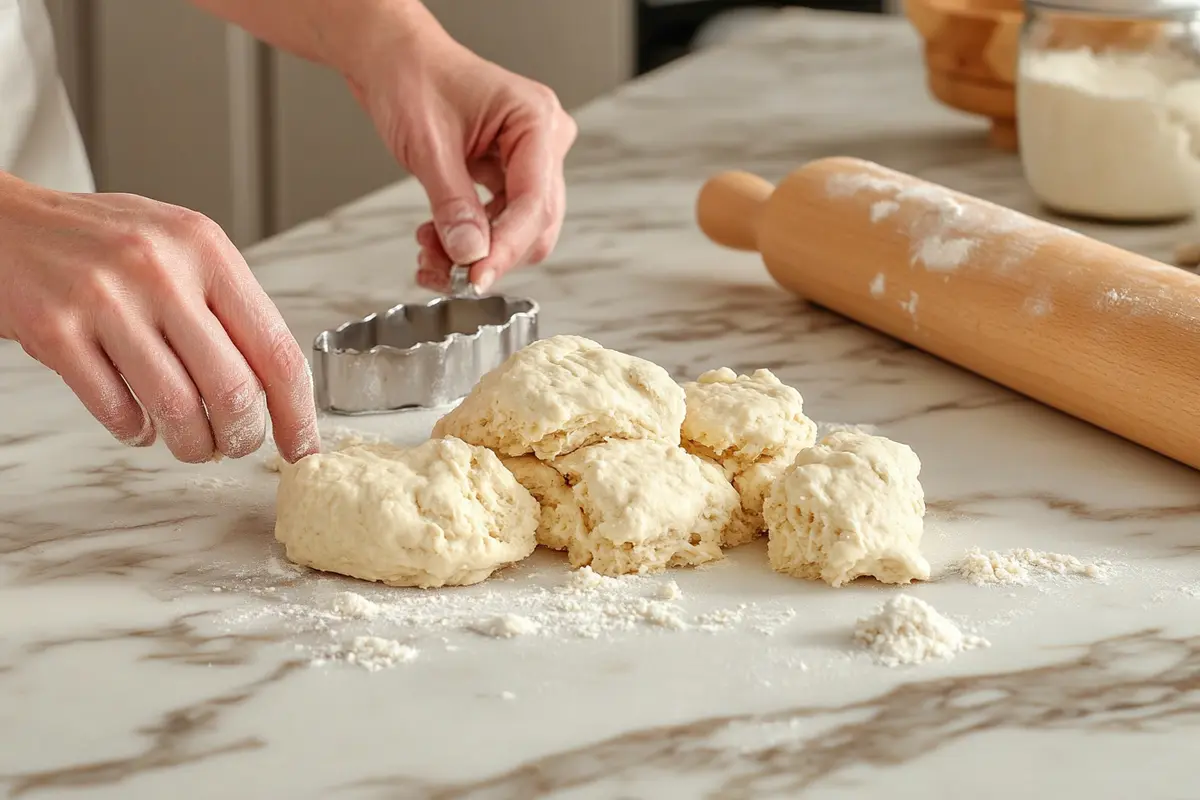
x: 372, y: 653
x: 906, y: 631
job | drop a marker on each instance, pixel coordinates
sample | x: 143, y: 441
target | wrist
x: 385, y: 33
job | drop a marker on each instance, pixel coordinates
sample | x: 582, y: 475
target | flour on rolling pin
x: 945, y: 232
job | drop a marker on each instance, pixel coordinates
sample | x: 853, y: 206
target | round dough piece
x: 753, y: 426
x: 561, y: 518
x: 559, y: 394
x: 647, y: 506
x: 848, y: 507
x: 443, y: 513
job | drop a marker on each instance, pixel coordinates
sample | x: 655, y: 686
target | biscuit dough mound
x: 848, y: 507
x: 753, y: 426
x: 647, y: 506
x: 563, y: 393
x: 443, y: 513
x: 561, y: 518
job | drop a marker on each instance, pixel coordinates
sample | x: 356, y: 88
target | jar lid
x: 1122, y: 8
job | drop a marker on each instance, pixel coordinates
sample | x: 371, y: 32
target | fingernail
x: 465, y: 243
x: 422, y: 261
x: 485, y: 280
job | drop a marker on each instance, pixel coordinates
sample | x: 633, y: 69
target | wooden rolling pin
x: 1100, y: 333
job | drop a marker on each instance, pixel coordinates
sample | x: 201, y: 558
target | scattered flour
x: 668, y: 591
x: 1020, y: 566
x: 662, y: 614
x: 883, y: 209
x: 353, y: 606
x: 372, y: 653
x: 906, y: 630
x: 580, y: 605
x: 506, y: 626
x: 944, y: 232
x: 878, y: 285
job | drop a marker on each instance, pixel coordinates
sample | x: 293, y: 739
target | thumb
x: 458, y: 215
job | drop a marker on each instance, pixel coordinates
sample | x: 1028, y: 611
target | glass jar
x: 1108, y: 107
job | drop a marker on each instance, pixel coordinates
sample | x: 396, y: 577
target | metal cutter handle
x: 460, y: 282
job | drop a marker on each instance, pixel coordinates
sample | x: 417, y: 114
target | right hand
x: 126, y: 298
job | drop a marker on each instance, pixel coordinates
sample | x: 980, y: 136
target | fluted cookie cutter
x: 419, y: 356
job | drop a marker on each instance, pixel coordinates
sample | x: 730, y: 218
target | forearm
x: 341, y: 34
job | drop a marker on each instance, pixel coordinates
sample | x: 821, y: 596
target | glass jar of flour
x: 1108, y: 107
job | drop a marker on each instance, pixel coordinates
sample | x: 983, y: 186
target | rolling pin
x: 1105, y: 335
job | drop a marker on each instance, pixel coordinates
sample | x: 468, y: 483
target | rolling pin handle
x: 728, y: 207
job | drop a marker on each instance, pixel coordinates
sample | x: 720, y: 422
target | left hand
x: 455, y: 120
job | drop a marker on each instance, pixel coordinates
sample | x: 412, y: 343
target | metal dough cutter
x: 419, y: 356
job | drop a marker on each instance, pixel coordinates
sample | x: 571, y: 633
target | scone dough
x: 559, y: 394
x: 753, y: 426
x: 646, y: 506
x: 848, y: 507
x: 443, y: 513
x: 561, y: 518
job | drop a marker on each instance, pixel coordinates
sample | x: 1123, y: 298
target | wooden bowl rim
x: 962, y: 10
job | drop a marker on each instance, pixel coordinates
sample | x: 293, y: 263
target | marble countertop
x: 154, y: 643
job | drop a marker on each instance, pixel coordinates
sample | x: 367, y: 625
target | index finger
x: 529, y: 187
x: 272, y: 352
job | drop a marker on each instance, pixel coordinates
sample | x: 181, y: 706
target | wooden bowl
x: 971, y: 58
x: 971, y: 49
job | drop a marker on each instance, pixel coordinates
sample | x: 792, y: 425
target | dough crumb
x: 752, y: 427
x: 647, y: 506
x: 507, y: 626
x: 826, y: 428
x: 1016, y: 567
x: 374, y: 653
x: 669, y: 591
x: 557, y: 395
x: 508, y: 696
x: 849, y: 507
x: 443, y: 513
x: 561, y: 517
x: 907, y: 631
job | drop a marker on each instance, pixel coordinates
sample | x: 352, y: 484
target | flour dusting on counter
x: 1020, y: 566
x: 372, y: 653
x: 580, y: 605
x: 908, y: 631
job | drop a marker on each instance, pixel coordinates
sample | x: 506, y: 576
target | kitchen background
x: 177, y: 106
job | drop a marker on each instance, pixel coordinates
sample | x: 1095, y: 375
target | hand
x: 454, y: 120
x: 129, y: 298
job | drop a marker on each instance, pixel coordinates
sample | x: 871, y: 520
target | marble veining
x: 154, y: 643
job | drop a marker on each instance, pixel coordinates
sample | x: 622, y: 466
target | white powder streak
x: 1018, y: 567
x: 883, y: 209
x: 943, y: 232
